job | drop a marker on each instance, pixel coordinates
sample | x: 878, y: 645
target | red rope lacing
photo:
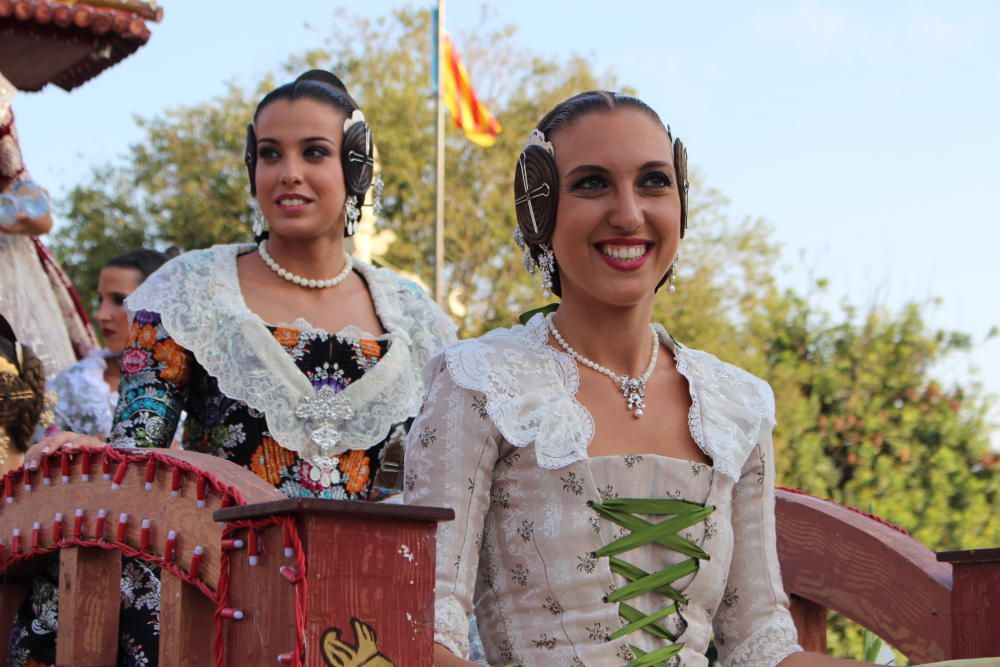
x: 230, y: 496
x: 298, y: 579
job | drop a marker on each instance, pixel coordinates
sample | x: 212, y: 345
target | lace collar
x: 198, y: 299
x: 530, y: 391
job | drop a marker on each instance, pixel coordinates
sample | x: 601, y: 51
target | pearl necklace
x: 299, y: 280
x: 633, y: 389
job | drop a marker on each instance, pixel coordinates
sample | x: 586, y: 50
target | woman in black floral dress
x: 308, y: 380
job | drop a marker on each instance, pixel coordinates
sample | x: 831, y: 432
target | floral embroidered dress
x: 313, y: 413
x: 567, y: 559
x: 316, y: 414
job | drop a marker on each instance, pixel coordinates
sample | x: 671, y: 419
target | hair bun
x: 536, y: 194
x: 328, y: 79
x: 323, y: 76
x: 358, y: 159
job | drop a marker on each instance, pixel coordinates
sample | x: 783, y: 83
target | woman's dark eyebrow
x: 595, y: 168
x: 656, y: 164
x: 591, y: 168
x: 306, y: 140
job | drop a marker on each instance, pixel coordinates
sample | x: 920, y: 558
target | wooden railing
x: 928, y: 606
x: 248, y: 576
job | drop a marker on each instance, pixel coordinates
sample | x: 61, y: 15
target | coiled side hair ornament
x: 358, y: 149
x: 681, y: 172
x: 536, y: 189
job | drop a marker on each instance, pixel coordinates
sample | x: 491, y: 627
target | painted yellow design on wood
x: 364, y: 653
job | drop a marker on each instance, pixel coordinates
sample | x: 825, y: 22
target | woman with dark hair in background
x: 613, y: 489
x: 289, y: 357
x: 87, y: 391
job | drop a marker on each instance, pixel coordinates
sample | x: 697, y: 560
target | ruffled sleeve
x: 154, y: 385
x: 83, y: 401
x: 451, y: 451
x: 753, y: 627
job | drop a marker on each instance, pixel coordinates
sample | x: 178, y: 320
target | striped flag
x: 468, y: 113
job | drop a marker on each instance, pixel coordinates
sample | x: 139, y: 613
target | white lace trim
x: 768, y: 645
x: 199, y: 301
x: 729, y: 406
x: 530, y: 391
x: 451, y: 626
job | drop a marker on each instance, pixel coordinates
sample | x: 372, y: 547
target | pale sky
x: 865, y: 133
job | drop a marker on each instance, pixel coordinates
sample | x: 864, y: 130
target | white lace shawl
x: 530, y: 391
x: 198, y: 299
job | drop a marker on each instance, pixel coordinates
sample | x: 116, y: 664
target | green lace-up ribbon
x: 683, y: 514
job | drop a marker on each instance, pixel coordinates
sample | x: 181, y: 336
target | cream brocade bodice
x: 520, y: 553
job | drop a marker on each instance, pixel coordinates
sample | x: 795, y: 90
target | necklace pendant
x: 634, y: 391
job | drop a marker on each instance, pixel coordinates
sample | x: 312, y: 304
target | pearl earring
x: 352, y: 214
x: 673, y: 275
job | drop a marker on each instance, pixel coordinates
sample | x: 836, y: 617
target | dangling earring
x: 529, y: 261
x: 378, y: 185
x: 259, y: 225
x: 546, y: 267
x: 545, y: 264
x: 352, y: 214
x: 673, y: 274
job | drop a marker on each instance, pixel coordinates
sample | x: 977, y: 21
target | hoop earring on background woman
x: 352, y: 214
x: 673, y: 274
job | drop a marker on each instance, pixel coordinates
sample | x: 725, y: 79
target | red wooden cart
x: 250, y: 577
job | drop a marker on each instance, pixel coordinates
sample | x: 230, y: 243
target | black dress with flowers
x: 161, y: 379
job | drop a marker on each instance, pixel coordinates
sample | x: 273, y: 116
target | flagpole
x: 439, y: 295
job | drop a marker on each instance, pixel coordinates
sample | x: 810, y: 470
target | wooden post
x: 186, y: 624
x: 266, y: 600
x: 370, y: 583
x: 975, y: 602
x: 89, y: 599
x: 810, y: 621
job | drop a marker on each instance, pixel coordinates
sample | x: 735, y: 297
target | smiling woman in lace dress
x: 613, y: 489
x: 289, y: 357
